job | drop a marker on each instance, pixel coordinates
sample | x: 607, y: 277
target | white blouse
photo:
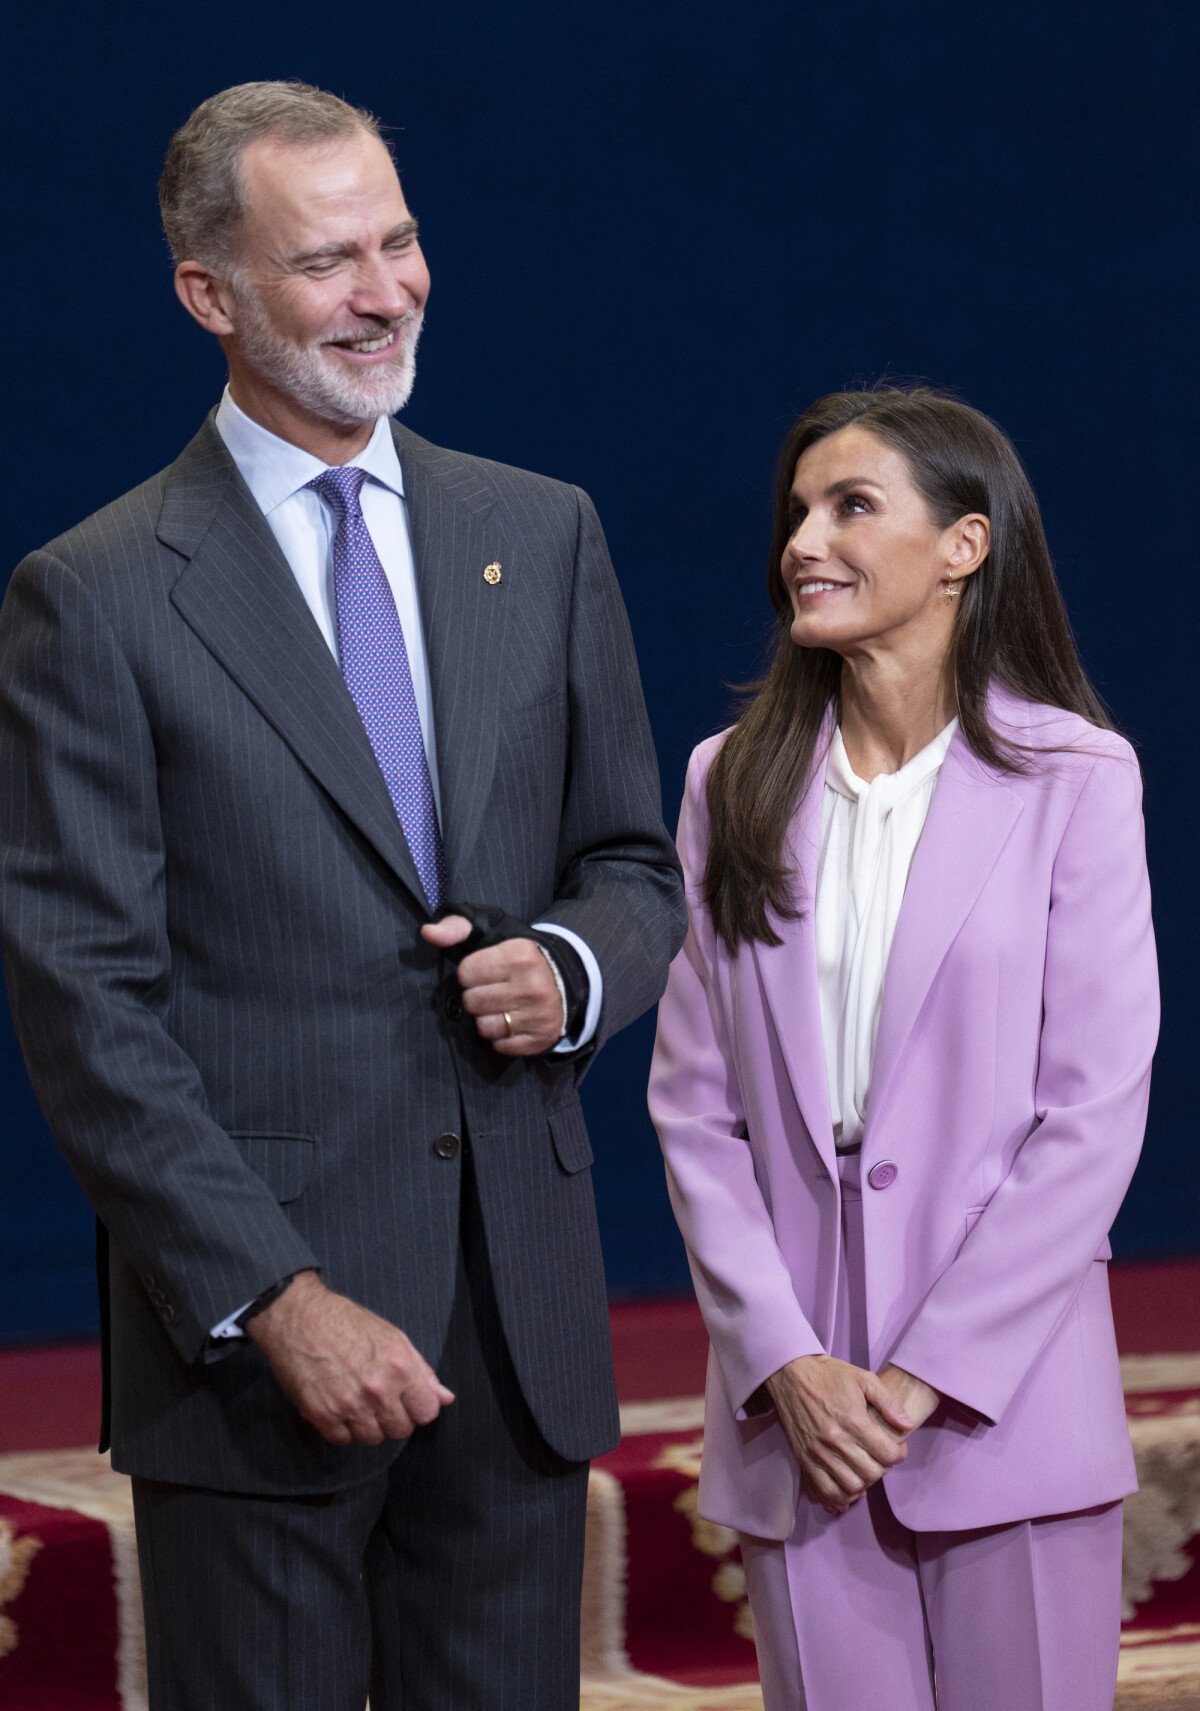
x: 869, y: 835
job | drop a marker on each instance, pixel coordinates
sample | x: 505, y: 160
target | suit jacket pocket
x: 570, y: 1136
x: 283, y: 1160
x: 974, y: 1213
x: 534, y: 721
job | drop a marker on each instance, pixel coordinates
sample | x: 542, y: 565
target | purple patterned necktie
x: 375, y: 666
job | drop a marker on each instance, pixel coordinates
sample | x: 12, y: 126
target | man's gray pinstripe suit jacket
x: 211, y: 923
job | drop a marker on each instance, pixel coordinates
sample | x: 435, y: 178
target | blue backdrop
x: 657, y: 231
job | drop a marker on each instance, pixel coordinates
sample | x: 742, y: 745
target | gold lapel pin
x: 491, y: 573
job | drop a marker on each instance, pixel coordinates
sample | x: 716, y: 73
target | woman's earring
x: 951, y: 589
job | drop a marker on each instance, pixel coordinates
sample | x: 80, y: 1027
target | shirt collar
x: 274, y: 469
x: 839, y: 775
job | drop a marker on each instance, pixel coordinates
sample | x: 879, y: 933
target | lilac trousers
x: 854, y: 1611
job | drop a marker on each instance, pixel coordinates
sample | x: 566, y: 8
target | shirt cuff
x: 230, y: 1327
x: 591, y: 1019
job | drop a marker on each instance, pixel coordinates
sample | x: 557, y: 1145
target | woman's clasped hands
x: 846, y: 1426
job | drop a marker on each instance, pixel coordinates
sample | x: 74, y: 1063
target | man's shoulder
x: 121, y: 521
x: 501, y: 479
x: 131, y: 521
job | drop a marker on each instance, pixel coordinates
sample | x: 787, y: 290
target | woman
x: 900, y: 1083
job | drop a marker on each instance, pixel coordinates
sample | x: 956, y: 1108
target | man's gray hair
x: 200, y: 191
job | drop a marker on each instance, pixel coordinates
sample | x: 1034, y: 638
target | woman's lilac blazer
x: 1009, y: 1088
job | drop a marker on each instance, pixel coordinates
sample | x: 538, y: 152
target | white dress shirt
x: 869, y: 835
x: 277, y: 474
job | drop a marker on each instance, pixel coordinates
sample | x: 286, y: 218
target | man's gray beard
x: 310, y: 380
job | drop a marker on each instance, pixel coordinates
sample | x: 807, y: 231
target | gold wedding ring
x: 507, y: 1023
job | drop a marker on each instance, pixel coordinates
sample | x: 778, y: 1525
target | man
x: 263, y: 718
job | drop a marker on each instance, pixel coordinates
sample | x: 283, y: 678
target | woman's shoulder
x: 1065, y: 762
x: 704, y: 754
x: 1055, y: 735
x: 694, y: 813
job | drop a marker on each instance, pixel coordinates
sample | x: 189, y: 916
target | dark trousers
x: 451, y: 1582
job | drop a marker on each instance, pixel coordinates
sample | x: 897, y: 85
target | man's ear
x: 205, y: 297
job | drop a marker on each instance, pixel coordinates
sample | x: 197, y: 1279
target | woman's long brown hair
x: 1010, y: 627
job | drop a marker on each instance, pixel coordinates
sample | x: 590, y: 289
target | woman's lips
x: 814, y: 589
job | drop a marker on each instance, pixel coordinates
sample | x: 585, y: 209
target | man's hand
x: 352, y: 1375
x: 844, y: 1425
x: 912, y: 1394
x: 508, y: 988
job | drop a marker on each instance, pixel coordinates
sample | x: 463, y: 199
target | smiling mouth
x: 806, y: 590
x: 366, y: 346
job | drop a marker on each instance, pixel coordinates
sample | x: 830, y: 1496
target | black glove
x: 491, y: 925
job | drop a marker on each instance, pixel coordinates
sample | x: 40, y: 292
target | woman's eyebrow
x: 835, y: 490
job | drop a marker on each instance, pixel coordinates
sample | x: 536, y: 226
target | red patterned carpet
x: 665, y: 1621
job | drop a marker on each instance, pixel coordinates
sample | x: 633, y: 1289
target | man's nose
x: 381, y: 291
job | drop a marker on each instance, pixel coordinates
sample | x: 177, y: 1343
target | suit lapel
x: 788, y: 971
x: 239, y: 596
x: 970, y: 819
x: 972, y: 813
x: 465, y: 619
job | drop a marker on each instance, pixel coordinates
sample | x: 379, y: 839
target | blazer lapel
x: 788, y: 971
x: 970, y: 818
x: 239, y: 596
x: 465, y: 618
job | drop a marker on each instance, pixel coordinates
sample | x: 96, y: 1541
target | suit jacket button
x: 454, y: 1008
x: 883, y: 1174
x: 166, y: 1312
x: 447, y: 1145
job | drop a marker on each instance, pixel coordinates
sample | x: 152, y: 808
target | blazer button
x: 883, y: 1174
x: 454, y: 1008
x: 447, y: 1145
